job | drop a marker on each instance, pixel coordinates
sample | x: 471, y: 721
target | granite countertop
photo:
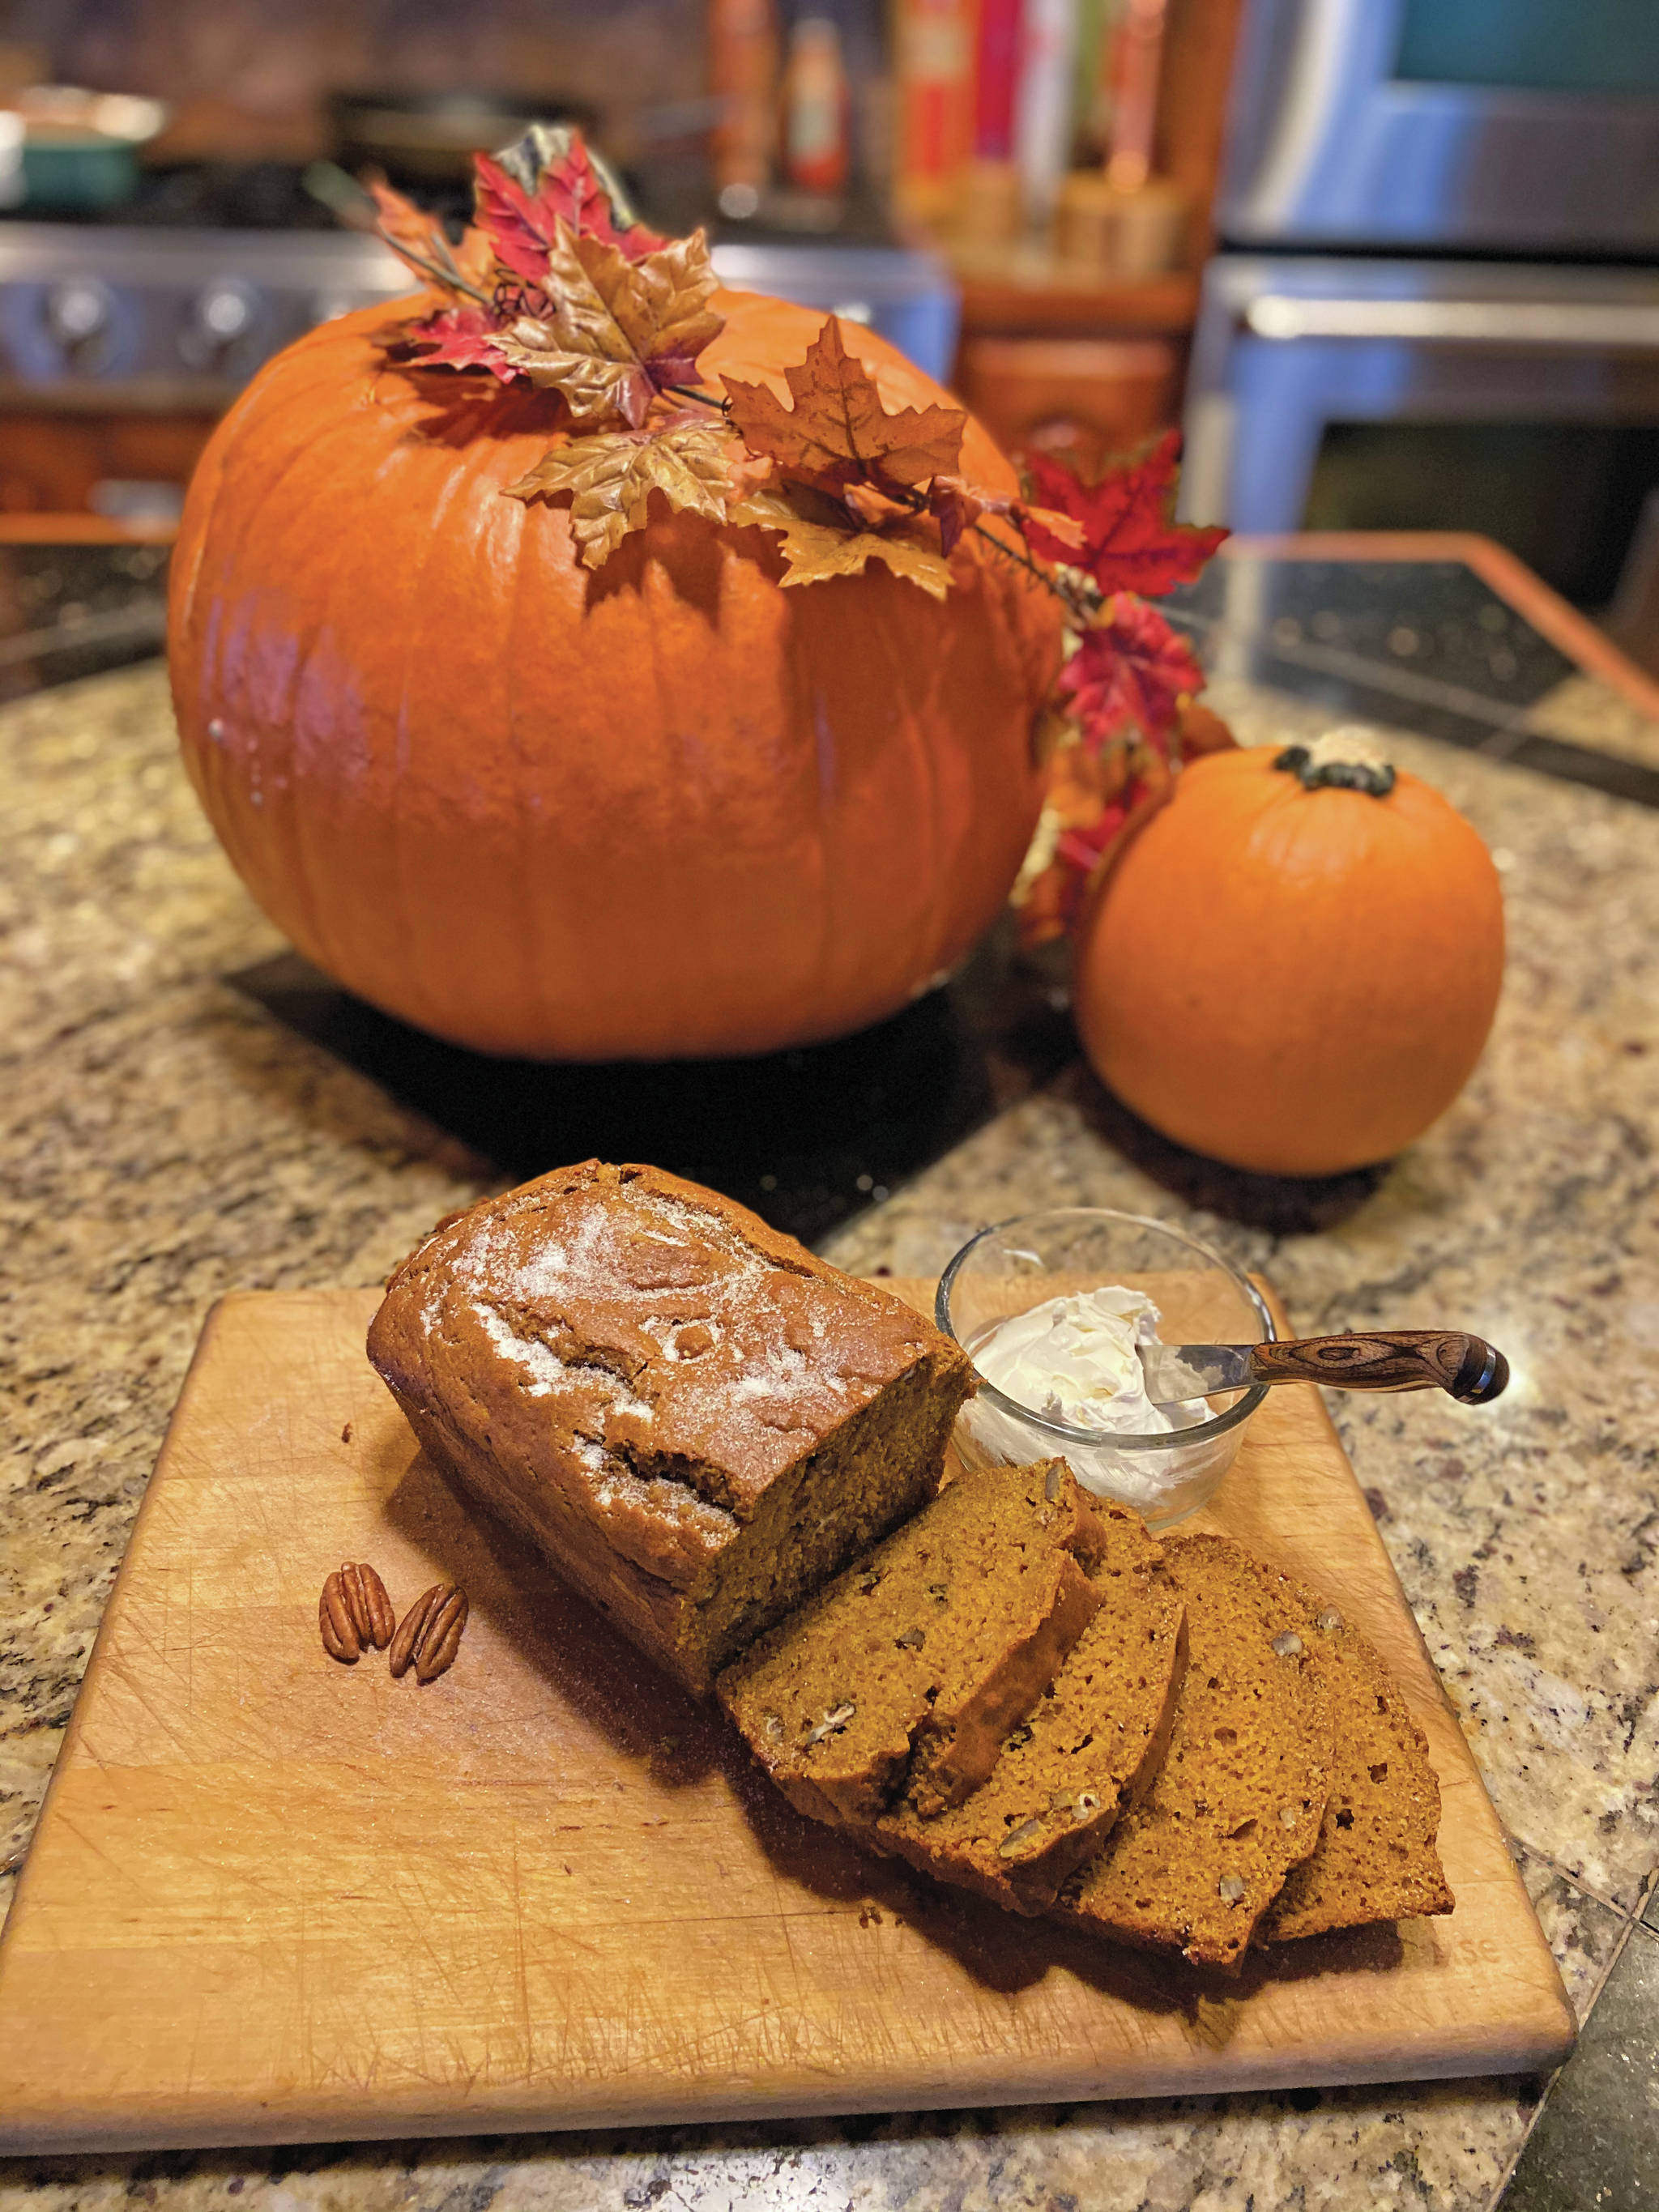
x: 165, y: 1140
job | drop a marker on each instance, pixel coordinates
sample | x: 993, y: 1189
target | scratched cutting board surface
x: 276, y: 1898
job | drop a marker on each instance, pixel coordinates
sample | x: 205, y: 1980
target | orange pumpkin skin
x: 1295, y: 981
x: 666, y: 808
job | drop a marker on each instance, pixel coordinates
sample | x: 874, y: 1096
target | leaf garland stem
x: 1024, y: 560
x: 703, y: 399
x: 451, y: 278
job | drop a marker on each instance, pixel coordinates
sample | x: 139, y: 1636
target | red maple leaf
x: 1130, y: 544
x: 522, y: 226
x: 1130, y: 671
x: 458, y: 337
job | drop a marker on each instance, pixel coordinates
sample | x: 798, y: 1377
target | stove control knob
x: 78, y: 310
x: 224, y: 313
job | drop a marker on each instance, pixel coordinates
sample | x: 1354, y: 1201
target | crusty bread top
x: 656, y: 1318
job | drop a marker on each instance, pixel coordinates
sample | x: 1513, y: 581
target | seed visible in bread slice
x: 1239, y: 1798
x: 1376, y: 1858
x: 905, y: 1673
x: 1089, y: 1749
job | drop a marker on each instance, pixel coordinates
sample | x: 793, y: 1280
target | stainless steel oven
x: 1290, y: 347
x: 1463, y: 125
x: 1437, y: 303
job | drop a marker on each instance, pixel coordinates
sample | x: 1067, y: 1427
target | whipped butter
x: 1074, y: 1360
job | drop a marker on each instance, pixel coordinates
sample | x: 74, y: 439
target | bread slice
x: 1240, y: 1793
x: 1089, y: 1750
x: 1376, y: 1858
x: 903, y: 1675
x: 697, y: 1419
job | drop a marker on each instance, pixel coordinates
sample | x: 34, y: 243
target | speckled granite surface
x: 1586, y: 712
x: 164, y: 1141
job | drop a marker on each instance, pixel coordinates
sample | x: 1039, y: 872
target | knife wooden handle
x: 1388, y: 1359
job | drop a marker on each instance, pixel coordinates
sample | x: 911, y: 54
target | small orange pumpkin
x: 667, y: 809
x: 1294, y: 966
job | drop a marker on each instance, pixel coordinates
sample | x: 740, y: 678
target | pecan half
x: 431, y: 1633
x: 354, y: 1613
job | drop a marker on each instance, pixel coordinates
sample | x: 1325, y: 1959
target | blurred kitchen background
x: 1395, y: 263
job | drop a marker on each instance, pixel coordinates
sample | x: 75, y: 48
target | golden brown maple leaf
x: 621, y: 330
x: 611, y: 475
x: 424, y: 241
x: 815, y: 550
x: 838, y: 432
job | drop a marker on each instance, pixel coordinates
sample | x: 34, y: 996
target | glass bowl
x: 1202, y: 1299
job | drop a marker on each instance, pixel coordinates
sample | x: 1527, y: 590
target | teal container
x: 78, y: 171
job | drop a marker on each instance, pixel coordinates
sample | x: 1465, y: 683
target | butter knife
x: 1379, y: 1359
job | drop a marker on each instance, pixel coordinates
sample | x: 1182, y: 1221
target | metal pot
x: 430, y: 138
x: 70, y: 151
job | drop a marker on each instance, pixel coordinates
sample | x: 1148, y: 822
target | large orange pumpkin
x: 1291, y: 979
x: 664, y: 808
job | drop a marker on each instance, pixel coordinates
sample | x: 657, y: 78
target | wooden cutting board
x: 275, y: 1899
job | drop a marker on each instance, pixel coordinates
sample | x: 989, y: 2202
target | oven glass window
x: 1566, y: 496
x: 1538, y: 46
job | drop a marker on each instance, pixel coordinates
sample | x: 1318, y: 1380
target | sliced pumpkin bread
x: 903, y: 1676
x: 1241, y: 1794
x: 1089, y: 1749
x: 1376, y: 1858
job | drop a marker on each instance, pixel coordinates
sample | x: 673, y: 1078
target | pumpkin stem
x: 1342, y: 760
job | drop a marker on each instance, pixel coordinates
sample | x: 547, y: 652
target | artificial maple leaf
x: 1129, y: 542
x: 815, y: 550
x: 875, y: 508
x: 424, y: 243
x: 956, y: 505
x: 1095, y: 804
x: 404, y: 226
x: 612, y: 474
x: 1204, y: 731
x: 1065, y: 528
x: 1130, y: 670
x: 620, y: 331
x: 460, y: 335
x: 550, y: 178
x: 463, y: 337
x: 838, y: 432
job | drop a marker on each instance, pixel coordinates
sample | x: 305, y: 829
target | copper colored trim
x: 81, y: 530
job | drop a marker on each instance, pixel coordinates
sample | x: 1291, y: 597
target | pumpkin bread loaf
x: 1089, y: 1750
x: 903, y: 1675
x: 697, y: 1420
x: 1240, y: 1797
x: 1376, y: 1858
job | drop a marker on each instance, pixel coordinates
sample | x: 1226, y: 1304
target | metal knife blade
x: 1174, y: 1371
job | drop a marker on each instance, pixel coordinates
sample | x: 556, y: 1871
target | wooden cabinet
x: 1090, y: 396
x: 82, y: 461
x: 1056, y: 354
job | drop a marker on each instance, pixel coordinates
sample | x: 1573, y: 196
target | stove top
x: 187, y: 288
x: 201, y: 195
x: 273, y: 195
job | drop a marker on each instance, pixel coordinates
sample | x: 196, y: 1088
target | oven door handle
x: 1589, y: 327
